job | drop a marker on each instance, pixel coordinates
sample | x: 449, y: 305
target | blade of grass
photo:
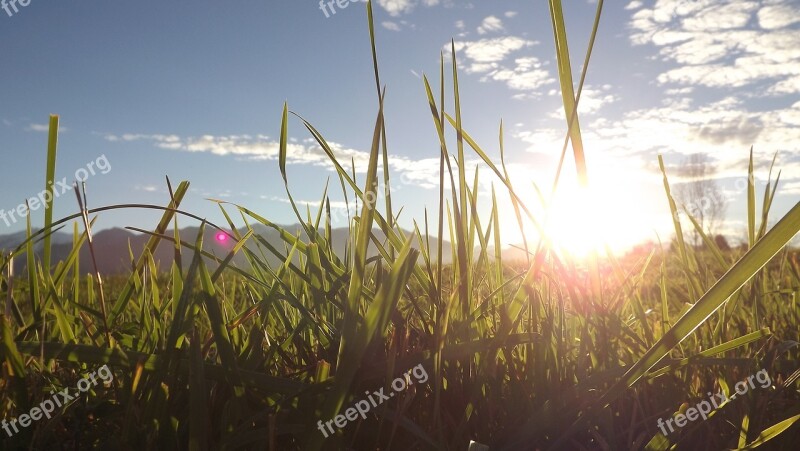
x: 771, y: 432
x: 52, y: 150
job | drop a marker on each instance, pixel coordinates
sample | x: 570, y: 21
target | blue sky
x: 194, y: 90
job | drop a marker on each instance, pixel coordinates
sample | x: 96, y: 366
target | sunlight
x: 597, y: 217
x: 601, y: 216
x: 577, y: 224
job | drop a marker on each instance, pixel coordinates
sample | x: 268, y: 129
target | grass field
x: 543, y: 352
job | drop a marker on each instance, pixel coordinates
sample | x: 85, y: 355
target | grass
x: 542, y: 353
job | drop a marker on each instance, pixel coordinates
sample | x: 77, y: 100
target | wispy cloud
x: 791, y: 187
x: 724, y: 130
x: 490, y: 50
x: 634, y: 5
x: 40, y: 128
x: 422, y: 173
x: 490, y: 24
x: 724, y: 44
x: 489, y: 57
x: 781, y: 15
x: 741, y: 49
x: 391, y: 26
x: 399, y: 7
x: 527, y: 74
x: 593, y: 99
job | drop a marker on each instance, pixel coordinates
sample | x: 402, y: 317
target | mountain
x: 113, y: 247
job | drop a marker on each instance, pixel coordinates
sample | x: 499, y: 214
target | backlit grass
x: 543, y: 352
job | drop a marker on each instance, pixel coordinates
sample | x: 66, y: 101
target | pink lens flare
x: 222, y: 237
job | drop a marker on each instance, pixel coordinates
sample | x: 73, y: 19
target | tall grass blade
x: 567, y: 89
x: 751, y: 201
x: 384, y: 150
x: 52, y: 149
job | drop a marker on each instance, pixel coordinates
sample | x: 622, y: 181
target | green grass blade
x: 52, y: 150
x: 567, y: 88
x: 33, y: 283
x: 283, y: 140
x: 771, y: 432
x: 751, y: 202
x: 384, y: 149
x: 719, y: 349
x: 688, y: 266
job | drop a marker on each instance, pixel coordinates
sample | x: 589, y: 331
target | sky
x: 195, y: 90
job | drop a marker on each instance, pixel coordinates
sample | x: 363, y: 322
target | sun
x: 620, y: 207
x: 576, y: 223
x: 610, y: 214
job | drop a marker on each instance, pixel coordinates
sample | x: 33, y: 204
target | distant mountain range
x: 113, y: 247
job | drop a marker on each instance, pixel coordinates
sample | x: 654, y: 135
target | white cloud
x: 399, y: 7
x: 724, y: 130
x: 492, y: 50
x: 490, y: 24
x: 38, y: 128
x: 788, y: 86
x: 778, y: 16
x: 790, y: 187
x: 593, y: 99
x: 526, y: 75
x: 679, y: 91
x: 721, y: 17
x: 510, y: 14
x: 636, y: 4
x: 716, y: 44
x: 488, y: 57
x: 422, y: 173
x: 392, y: 26
x: 41, y: 128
